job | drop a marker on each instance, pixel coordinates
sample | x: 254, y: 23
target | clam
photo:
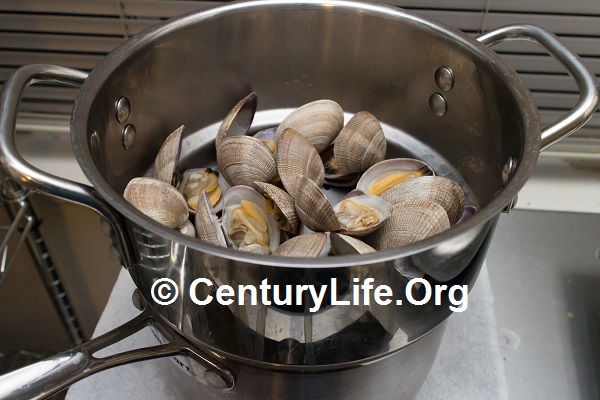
x: 269, y: 138
x: 244, y: 160
x: 319, y: 122
x: 158, y: 200
x: 245, y: 221
x: 188, y: 229
x: 167, y: 159
x: 208, y: 227
x: 255, y: 249
x: 313, y: 208
x: 346, y: 245
x: 360, y: 145
x: 333, y: 175
x: 386, y: 174
x: 295, y: 157
x: 361, y: 215
x: 410, y: 222
x: 443, y: 191
x: 280, y: 205
x: 310, y: 245
x: 238, y: 121
x: 197, y: 180
x: 354, y: 193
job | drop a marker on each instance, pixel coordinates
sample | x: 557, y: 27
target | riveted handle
x: 48, y: 377
x: 586, y: 81
x: 15, y: 167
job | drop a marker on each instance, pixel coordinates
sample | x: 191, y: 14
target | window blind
x: 79, y: 34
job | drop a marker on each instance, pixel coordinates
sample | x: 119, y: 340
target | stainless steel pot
x: 466, y: 111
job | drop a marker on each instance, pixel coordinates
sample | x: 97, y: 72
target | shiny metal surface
x: 48, y: 377
x: 586, y: 81
x: 193, y: 69
x: 31, y: 177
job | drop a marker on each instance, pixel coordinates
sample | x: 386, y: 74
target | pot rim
x: 95, y: 80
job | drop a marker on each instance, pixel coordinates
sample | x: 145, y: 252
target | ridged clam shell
x: 443, y: 191
x: 360, y: 145
x: 347, y: 245
x: 310, y: 245
x: 333, y: 176
x: 319, y: 122
x: 410, y: 222
x: 244, y: 160
x: 268, y: 137
x: 296, y: 156
x: 208, y: 228
x: 285, y: 202
x: 254, y: 249
x: 158, y: 200
x: 238, y: 121
x: 236, y: 195
x: 313, y: 208
x: 385, y: 168
x: 374, y: 202
x: 167, y: 159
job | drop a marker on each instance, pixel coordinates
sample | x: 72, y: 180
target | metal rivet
x: 444, y: 78
x: 115, y: 254
x: 106, y: 228
x: 438, y: 105
x: 122, y: 109
x: 508, y: 169
x: 136, y: 299
x: 129, y: 136
x: 94, y: 143
x: 215, y: 381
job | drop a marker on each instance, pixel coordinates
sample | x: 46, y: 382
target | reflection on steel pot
x: 191, y: 71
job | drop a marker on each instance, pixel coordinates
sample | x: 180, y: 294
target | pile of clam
x: 266, y: 195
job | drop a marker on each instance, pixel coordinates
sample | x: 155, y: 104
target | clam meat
x: 245, y: 221
x: 389, y: 173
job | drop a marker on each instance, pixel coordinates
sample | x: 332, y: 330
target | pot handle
x: 48, y: 377
x: 15, y: 167
x: 586, y: 81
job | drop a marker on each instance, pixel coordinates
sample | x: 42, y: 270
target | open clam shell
x: 269, y: 138
x: 410, y: 222
x: 192, y: 184
x: 333, y: 175
x: 314, y: 209
x: 158, y: 200
x: 310, y: 245
x: 244, y: 219
x: 238, y: 121
x: 167, y: 159
x: 284, y: 210
x: 208, y: 227
x: 295, y: 157
x: 347, y: 245
x: 443, y: 191
x: 244, y: 160
x: 388, y: 173
x: 361, y: 215
x: 319, y: 122
x: 360, y: 145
